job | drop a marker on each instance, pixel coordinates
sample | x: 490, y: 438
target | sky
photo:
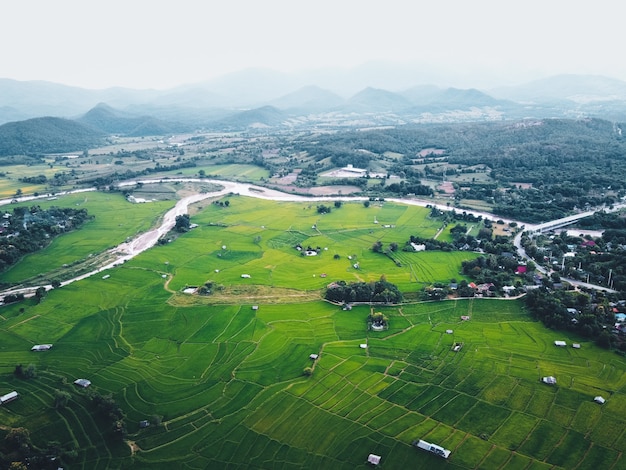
x: 161, y: 44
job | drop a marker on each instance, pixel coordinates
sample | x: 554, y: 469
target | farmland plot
x: 222, y: 384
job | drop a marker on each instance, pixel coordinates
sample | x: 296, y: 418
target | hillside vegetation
x: 46, y: 135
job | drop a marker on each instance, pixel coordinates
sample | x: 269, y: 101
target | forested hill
x: 564, y: 163
x: 46, y: 135
x: 588, y: 150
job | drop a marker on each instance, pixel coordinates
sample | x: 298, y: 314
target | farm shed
x: 434, y: 448
x: 549, y: 380
x: 560, y: 343
x: 8, y: 397
x: 599, y: 400
x: 449, y: 332
x: 576, y: 345
x: 144, y: 424
x: 313, y: 356
x: 363, y: 345
x: 246, y: 276
x: 374, y: 459
x: 41, y: 347
x: 82, y: 383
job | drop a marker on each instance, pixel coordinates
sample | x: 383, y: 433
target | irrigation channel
x: 129, y: 249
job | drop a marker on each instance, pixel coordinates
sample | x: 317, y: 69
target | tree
x: 31, y: 371
x: 182, y: 223
x: 40, y: 294
x: 377, y: 247
x: 61, y: 399
x: 338, y: 204
x: 378, y: 319
x: 366, y: 204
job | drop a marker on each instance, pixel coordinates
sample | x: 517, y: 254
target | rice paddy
x: 222, y: 385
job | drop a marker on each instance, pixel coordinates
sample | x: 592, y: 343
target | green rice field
x: 222, y: 383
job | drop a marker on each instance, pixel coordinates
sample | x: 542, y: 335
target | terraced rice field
x: 223, y: 384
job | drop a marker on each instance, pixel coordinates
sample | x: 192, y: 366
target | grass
x: 106, y: 230
x: 227, y: 380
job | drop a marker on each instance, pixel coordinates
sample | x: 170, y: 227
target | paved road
x: 143, y: 242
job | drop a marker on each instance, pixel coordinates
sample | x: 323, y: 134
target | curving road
x: 128, y: 250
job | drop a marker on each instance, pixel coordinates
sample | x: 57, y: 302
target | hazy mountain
x: 455, y: 99
x: 249, y: 87
x: 203, y: 104
x: 576, y: 88
x: 265, y: 116
x: 9, y: 113
x: 421, y: 94
x: 47, y: 135
x: 112, y: 121
x: 377, y: 100
x: 308, y: 99
x: 40, y: 98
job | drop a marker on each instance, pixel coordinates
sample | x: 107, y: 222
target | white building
x: 434, y: 448
x: 8, y: 397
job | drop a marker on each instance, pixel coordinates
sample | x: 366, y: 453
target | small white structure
x: 449, y: 332
x: 363, y: 345
x: 313, y: 356
x: 106, y: 276
x: 549, y: 380
x: 434, y: 448
x: 420, y: 247
x: 560, y: 343
x: 41, y: 347
x: 8, y: 397
x: 82, y: 383
x: 374, y: 459
x: 599, y: 400
x: 246, y: 276
x: 576, y: 345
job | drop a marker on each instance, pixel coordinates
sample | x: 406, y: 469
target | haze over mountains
x: 265, y: 98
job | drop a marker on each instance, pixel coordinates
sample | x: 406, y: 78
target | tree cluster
x: 28, y: 230
x: 593, y: 319
x: 379, y: 291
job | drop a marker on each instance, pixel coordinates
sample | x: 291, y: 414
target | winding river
x: 128, y: 250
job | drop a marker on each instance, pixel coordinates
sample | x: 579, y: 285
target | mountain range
x: 264, y: 98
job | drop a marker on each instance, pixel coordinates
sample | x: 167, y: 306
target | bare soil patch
x: 246, y: 294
